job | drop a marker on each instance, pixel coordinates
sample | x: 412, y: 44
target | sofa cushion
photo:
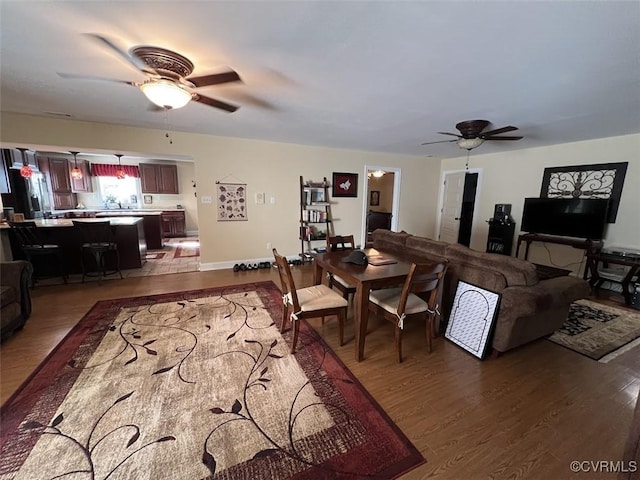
x: 425, y: 246
x: 388, y: 240
x: 515, y: 271
x: 7, y: 296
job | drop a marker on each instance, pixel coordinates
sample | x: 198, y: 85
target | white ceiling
x: 378, y: 76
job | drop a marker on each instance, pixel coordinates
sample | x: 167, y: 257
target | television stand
x: 583, y: 244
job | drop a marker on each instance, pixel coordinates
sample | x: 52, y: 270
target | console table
x: 615, y: 257
x: 588, y: 245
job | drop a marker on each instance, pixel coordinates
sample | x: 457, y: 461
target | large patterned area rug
x: 598, y: 331
x: 196, y: 385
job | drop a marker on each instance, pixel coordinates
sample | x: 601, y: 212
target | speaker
x: 501, y: 211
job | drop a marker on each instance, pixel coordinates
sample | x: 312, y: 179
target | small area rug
x: 598, y: 331
x: 187, y: 248
x: 196, y: 385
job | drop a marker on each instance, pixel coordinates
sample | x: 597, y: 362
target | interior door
x: 451, y: 207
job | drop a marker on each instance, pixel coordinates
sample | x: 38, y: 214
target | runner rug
x: 196, y: 385
x: 598, y: 331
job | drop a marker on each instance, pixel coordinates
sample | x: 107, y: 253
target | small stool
x: 33, y: 245
x: 98, y: 244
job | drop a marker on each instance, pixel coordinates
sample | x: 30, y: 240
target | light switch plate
x: 206, y: 199
x: 260, y: 198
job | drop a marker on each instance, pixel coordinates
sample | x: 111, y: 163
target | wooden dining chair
x: 310, y: 302
x: 400, y: 304
x: 336, y: 244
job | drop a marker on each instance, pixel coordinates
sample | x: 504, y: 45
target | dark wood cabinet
x: 158, y: 178
x: 57, y: 172
x: 174, y: 224
x: 82, y: 184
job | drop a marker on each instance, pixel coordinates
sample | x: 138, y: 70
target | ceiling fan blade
x: 441, y: 141
x: 447, y: 133
x: 499, y: 130
x: 212, y: 102
x: 502, y: 138
x: 135, y: 61
x: 92, y: 77
x: 215, y: 79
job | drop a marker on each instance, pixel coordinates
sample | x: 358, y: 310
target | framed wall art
x: 374, y: 198
x: 472, y: 318
x: 232, y: 202
x: 345, y: 184
x: 600, y: 180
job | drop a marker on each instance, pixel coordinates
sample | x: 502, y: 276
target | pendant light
x: 26, y: 171
x: 120, y: 174
x: 76, y: 173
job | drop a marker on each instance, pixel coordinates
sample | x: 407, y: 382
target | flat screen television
x: 567, y: 217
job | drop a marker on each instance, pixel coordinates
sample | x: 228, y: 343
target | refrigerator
x: 31, y: 195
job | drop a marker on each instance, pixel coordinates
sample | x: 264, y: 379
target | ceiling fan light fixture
x: 166, y: 94
x: 470, y: 143
x: 378, y: 173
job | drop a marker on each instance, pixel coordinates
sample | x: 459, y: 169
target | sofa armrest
x: 17, y: 275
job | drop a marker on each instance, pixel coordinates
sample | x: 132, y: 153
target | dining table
x: 390, y: 270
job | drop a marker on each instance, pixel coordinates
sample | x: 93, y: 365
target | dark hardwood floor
x: 526, y: 414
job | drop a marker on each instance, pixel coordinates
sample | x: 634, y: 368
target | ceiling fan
x: 472, y: 136
x: 169, y: 85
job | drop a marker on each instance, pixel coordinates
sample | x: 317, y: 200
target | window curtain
x: 108, y: 170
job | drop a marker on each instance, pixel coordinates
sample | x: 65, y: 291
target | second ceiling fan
x: 169, y: 85
x: 472, y: 136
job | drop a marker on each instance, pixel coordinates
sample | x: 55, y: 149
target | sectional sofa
x: 530, y: 307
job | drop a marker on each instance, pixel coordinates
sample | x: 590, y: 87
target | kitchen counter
x: 128, y: 233
x: 68, y: 222
x: 151, y: 222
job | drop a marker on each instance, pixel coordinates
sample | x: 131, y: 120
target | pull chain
x: 167, y: 126
x: 467, y: 164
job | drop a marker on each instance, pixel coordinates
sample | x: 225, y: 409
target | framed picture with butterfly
x: 345, y: 184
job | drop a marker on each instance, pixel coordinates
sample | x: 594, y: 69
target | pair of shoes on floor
x: 250, y: 266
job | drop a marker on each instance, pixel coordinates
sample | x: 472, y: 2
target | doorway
x: 381, y: 200
x: 458, y: 200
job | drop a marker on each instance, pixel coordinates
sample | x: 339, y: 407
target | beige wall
x: 266, y: 167
x: 511, y: 176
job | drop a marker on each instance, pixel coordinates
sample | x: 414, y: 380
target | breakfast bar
x: 128, y: 234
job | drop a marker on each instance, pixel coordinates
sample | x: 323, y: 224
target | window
x: 124, y: 191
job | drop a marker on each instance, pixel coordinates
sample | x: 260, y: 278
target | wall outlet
x: 269, y: 246
x: 272, y: 200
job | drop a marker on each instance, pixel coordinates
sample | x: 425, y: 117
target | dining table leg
x: 317, y: 273
x: 361, y: 301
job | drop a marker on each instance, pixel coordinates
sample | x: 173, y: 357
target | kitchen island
x: 128, y: 233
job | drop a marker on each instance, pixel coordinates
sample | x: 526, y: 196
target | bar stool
x: 98, y: 244
x: 34, y: 247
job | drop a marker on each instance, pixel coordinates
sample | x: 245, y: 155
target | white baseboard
x: 223, y: 265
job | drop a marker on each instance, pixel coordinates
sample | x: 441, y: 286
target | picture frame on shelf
x: 345, y: 184
x: 473, y: 318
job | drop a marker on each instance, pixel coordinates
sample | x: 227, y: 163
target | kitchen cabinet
x: 81, y: 184
x: 173, y: 224
x: 158, y: 178
x: 57, y: 172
